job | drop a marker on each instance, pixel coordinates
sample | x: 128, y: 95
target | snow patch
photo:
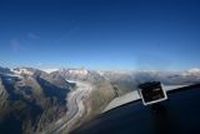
x: 78, y: 71
x: 21, y: 71
x: 194, y: 70
x: 50, y: 70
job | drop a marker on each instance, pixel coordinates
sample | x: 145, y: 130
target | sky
x: 100, y: 34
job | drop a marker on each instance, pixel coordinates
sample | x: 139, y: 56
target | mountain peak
x: 76, y: 71
x: 20, y: 71
x: 50, y: 70
x: 194, y: 70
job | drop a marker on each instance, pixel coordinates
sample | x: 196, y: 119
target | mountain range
x: 34, y: 101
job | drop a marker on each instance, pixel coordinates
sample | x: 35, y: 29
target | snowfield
x: 76, y: 108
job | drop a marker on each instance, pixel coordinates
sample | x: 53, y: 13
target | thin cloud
x: 16, y: 45
x: 33, y: 36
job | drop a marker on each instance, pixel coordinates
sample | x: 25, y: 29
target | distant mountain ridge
x: 127, y: 81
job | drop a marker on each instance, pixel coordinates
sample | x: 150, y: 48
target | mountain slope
x: 29, y: 101
x: 33, y: 101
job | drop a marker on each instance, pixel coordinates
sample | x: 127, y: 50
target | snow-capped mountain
x: 43, y: 102
x: 128, y: 81
x: 21, y: 71
x: 32, y: 97
x: 193, y: 71
x: 34, y: 101
x: 79, y: 74
x: 5, y: 71
x: 49, y: 70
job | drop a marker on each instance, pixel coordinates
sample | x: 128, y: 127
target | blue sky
x: 100, y: 34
